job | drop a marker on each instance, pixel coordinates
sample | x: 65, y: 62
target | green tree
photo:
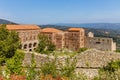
x: 45, y: 44
x: 14, y: 65
x: 9, y: 42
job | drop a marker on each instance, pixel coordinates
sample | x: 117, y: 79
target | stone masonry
x: 88, y: 62
x: 72, y: 39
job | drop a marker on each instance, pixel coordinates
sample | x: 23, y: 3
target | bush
x: 14, y: 65
x: 82, y: 50
x: 32, y: 73
x: 45, y: 45
x: 68, y: 70
x: 112, y: 66
x: 110, y: 72
x: 49, y: 68
x: 118, y: 50
x: 55, y: 70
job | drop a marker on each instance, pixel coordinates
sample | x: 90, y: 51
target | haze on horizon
x: 60, y: 11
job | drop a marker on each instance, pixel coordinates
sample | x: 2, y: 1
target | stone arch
x: 30, y: 45
x: 25, y: 46
x: 34, y: 44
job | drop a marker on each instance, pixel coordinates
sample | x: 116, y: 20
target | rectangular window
x: 97, y: 42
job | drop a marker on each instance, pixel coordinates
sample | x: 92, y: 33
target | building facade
x: 55, y: 35
x: 72, y: 39
x: 28, y: 35
x: 100, y: 43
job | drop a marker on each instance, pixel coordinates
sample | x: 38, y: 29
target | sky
x: 60, y: 11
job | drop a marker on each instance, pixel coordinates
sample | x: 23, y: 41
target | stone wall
x: 104, y: 44
x: 88, y: 62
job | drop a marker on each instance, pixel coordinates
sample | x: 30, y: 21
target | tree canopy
x: 45, y: 44
x: 9, y: 43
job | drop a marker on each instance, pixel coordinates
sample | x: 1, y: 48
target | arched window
x: 25, y: 46
x: 30, y: 45
x: 34, y: 45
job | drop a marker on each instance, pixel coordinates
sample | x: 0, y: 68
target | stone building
x: 74, y: 38
x: 100, y: 43
x: 28, y: 35
x: 55, y: 35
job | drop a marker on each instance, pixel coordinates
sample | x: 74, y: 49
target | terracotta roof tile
x: 22, y: 27
x: 51, y: 30
x: 75, y: 29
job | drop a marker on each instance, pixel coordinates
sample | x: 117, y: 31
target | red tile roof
x: 22, y: 27
x: 52, y: 30
x: 75, y: 29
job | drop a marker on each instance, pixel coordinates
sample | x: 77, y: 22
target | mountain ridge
x: 3, y: 21
x: 112, y: 26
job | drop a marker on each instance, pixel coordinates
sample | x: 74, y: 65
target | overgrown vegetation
x: 31, y: 72
x: 63, y: 52
x: 11, y: 62
x: 110, y: 72
x: 45, y: 45
x: 82, y: 50
x: 9, y: 43
x: 14, y: 65
x: 56, y: 70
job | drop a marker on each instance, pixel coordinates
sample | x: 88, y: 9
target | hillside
x: 112, y: 26
x: 3, y: 21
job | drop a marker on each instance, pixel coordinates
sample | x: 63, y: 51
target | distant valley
x: 112, y: 26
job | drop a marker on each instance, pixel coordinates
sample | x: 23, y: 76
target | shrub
x: 110, y: 72
x: 118, y: 50
x: 32, y: 73
x: 82, y: 50
x: 112, y: 66
x: 45, y: 44
x: 14, y: 65
x: 68, y: 69
x: 49, y: 68
x: 55, y: 70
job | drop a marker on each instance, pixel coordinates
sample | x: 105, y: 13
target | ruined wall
x: 104, y: 44
x: 88, y: 62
